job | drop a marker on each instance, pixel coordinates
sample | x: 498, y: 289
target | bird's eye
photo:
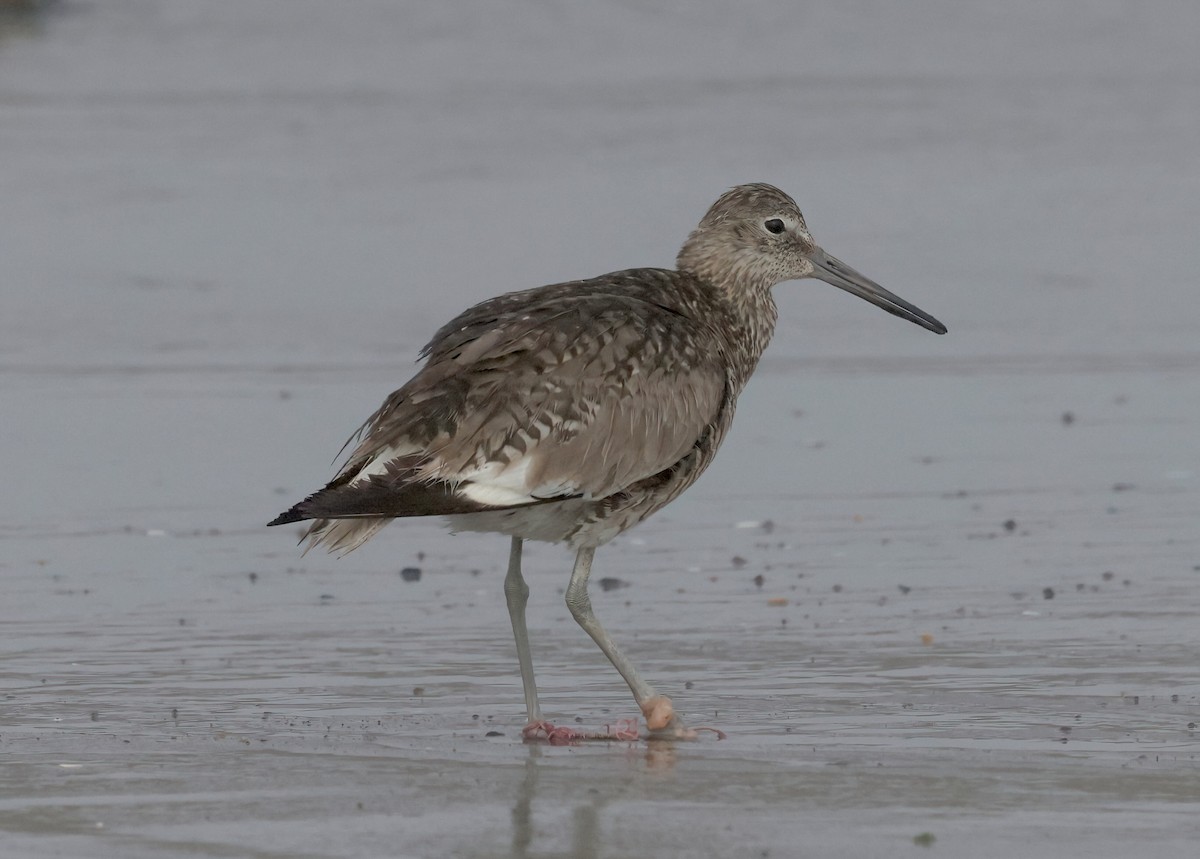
x: 774, y: 225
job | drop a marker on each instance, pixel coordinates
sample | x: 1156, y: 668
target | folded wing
x: 530, y: 398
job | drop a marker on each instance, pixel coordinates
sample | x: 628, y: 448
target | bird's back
x: 567, y: 412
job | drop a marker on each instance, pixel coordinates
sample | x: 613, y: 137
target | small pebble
x: 1048, y: 593
x: 411, y: 574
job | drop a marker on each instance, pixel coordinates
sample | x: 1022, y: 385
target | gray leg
x: 580, y: 605
x: 516, y: 594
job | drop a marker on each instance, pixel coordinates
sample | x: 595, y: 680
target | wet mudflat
x: 942, y: 593
x: 990, y: 666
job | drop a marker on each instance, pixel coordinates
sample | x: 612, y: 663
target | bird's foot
x: 543, y: 731
x: 665, y: 724
x: 659, y: 713
x: 661, y: 720
x: 560, y: 735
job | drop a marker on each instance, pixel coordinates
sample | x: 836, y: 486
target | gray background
x: 227, y: 228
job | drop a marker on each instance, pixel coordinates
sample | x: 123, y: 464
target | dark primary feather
x: 398, y: 492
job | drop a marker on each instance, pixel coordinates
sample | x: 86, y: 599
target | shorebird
x: 572, y: 412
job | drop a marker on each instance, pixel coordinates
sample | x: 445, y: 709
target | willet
x: 571, y: 412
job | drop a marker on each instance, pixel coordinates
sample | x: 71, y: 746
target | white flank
x: 503, y: 485
x: 379, y: 464
x: 493, y: 495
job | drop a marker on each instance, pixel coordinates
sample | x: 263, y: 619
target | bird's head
x: 754, y: 237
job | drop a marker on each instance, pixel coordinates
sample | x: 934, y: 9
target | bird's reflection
x: 522, y: 813
x: 655, y: 757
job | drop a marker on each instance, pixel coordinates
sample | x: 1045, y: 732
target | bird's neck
x: 743, y: 314
x: 753, y: 314
x: 744, y: 290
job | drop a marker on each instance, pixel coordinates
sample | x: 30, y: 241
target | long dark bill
x: 833, y: 270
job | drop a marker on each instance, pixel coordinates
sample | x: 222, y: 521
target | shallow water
x: 227, y: 232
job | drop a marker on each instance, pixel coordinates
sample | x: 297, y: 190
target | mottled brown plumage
x: 574, y: 411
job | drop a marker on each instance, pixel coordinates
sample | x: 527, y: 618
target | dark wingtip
x: 287, y: 517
